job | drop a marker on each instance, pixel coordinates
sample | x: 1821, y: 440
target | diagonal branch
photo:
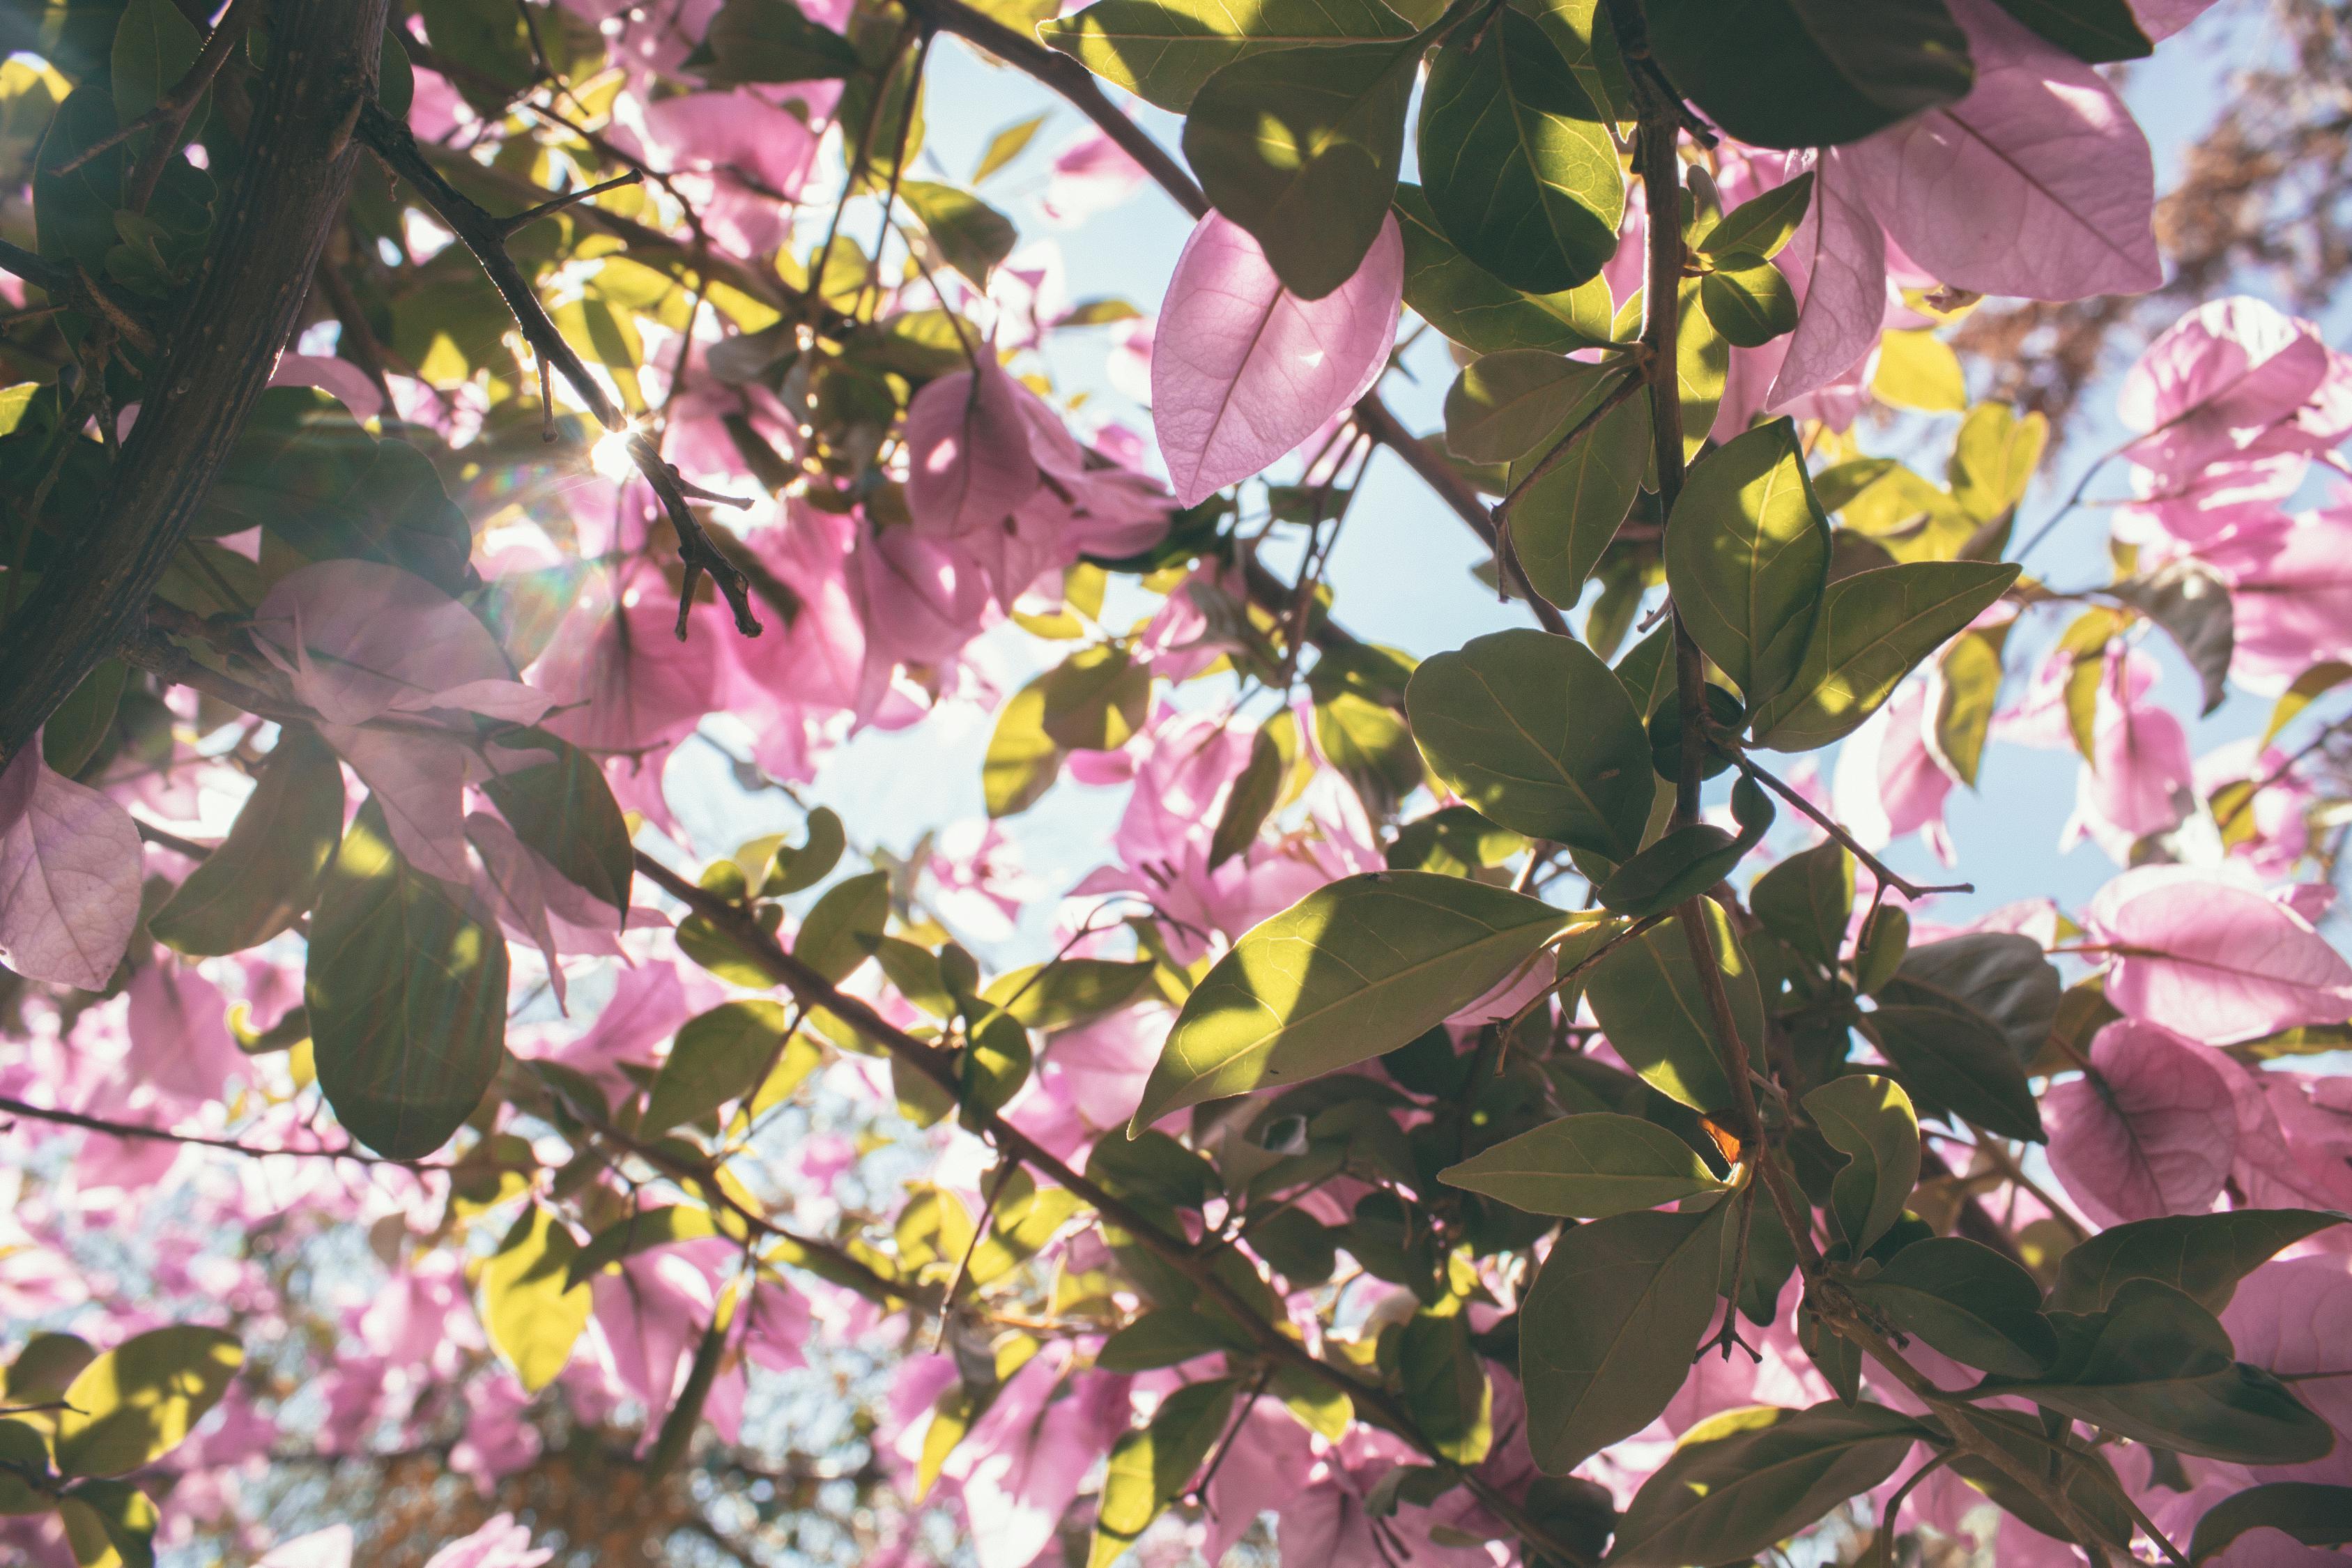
x: 486, y: 237
x: 737, y: 924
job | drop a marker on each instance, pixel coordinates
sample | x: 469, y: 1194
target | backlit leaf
x: 1356, y: 968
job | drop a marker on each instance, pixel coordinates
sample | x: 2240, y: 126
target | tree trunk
x: 217, y: 360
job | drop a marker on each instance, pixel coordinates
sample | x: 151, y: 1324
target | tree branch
x: 1886, y: 874
x: 298, y: 161
x: 813, y: 990
x: 486, y: 237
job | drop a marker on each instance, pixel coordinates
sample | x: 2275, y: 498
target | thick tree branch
x: 299, y: 162
x: 486, y: 237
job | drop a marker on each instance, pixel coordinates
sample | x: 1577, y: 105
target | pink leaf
x: 2218, y: 379
x: 499, y: 1544
x: 2038, y: 184
x: 2159, y: 19
x: 361, y: 639
x: 69, y: 871
x: 2140, y: 780
x: 968, y: 460
x: 2291, y: 592
x: 419, y: 780
x: 2212, y: 959
x: 1242, y: 370
x: 180, y: 1041
x: 2155, y: 1133
x: 339, y: 378
x: 1837, y: 264
x: 2295, y: 1315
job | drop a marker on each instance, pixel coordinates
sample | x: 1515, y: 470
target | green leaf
x: 1870, y: 1120
x: 1095, y: 700
x: 1505, y: 405
x: 1702, y: 367
x: 1588, y: 1166
x: 1690, y: 859
x: 1994, y: 458
x: 1608, y: 1331
x: 1478, y: 310
x: 1760, y: 225
x: 1965, y: 1301
x: 24, y: 1457
x: 1455, y: 841
x: 533, y: 1310
x: 406, y: 990
x: 565, y: 810
x: 76, y: 731
x: 73, y: 215
x: 1875, y: 627
x: 2203, y: 1255
x: 1537, y: 733
x: 1749, y: 301
x: 1152, y: 1468
x: 1256, y: 791
x: 1446, y: 1386
x: 846, y: 927
x: 2082, y: 1474
x: 1647, y: 997
x: 974, y: 237
x: 791, y: 868
x: 2192, y: 602
x: 1068, y: 990
x: 396, y: 79
x: 1747, y: 558
x: 1368, y: 744
x: 1741, y: 1481
x: 263, y: 874
x: 1564, y: 520
x: 1961, y: 1064
x: 1514, y: 163
x: 2311, y: 1511
x: 1162, y: 50
x: 717, y: 1057
x: 2095, y: 31
x: 1301, y: 148
x: 494, y: 41
x: 1919, y: 370
x: 154, y: 46
x: 110, y: 1524
x: 1807, y: 901
x: 305, y: 472
x: 1357, y: 967
x: 2157, y: 1368
x: 138, y: 1402
x: 1003, y: 148
x: 1879, y: 949
x: 2308, y: 688
x: 1166, y: 1336
x: 1023, y: 761
x: 1998, y: 978
x: 772, y: 41
x: 1971, y: 670
x: 637, y: 1233
x: 1810, y: 73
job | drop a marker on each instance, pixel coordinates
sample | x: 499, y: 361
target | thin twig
x: 485, y: 235
x: 1886, y: 875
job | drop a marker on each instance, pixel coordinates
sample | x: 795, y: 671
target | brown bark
x: 218, y: 357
